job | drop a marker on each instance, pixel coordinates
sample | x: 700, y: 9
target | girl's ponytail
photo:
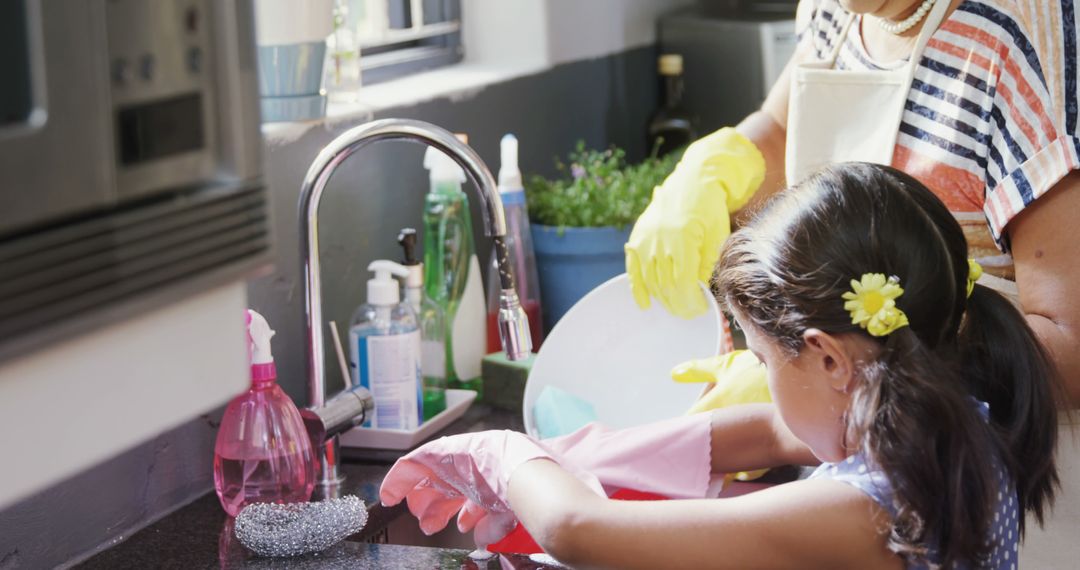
x: 917, y: 421
x: 1005, y: 365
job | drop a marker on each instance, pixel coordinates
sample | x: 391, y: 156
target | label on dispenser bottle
x: 389, y: 366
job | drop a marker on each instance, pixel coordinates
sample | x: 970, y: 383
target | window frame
x: 404, y: 37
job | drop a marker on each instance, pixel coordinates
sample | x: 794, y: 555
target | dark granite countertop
x: 199, y: 535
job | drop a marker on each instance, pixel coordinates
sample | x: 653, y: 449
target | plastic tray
x: 457, y: 402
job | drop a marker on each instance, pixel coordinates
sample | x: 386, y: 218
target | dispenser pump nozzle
x: 259, y: 335
x: 407, y: 239
x: 383, y: 289
x: 415, y: 280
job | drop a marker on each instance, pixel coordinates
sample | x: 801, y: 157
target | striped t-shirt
x: 991, y: 119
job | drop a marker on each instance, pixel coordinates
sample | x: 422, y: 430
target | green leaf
x: 597, y: 189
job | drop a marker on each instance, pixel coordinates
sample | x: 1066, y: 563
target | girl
x: 927, y: 400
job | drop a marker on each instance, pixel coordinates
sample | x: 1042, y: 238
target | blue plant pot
x: 573, y: 261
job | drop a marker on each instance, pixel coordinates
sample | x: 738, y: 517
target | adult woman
x: 975, y: 98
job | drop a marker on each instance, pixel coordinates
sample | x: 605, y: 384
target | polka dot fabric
x: 1005, y: 528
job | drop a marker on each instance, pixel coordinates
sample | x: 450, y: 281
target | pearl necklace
x: 898, y: 28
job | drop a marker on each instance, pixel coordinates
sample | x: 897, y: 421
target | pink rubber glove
x: 470, y: 474
x: 672, y: 458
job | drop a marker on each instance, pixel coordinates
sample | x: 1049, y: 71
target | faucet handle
x: 344, y: 411
x: 514, y: 326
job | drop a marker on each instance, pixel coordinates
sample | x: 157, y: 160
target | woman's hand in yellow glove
x: 739, y: 376
x: 676, y: 241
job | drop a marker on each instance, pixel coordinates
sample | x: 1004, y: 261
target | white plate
x: 457, y: 402
x: 617, y: 357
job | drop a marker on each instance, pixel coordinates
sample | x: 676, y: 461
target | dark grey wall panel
x: 380, y: 190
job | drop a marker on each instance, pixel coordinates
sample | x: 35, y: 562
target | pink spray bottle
x: 262, y: 454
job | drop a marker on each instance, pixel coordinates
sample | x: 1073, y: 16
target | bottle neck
x: 263, y: 375
x: 673, y: 91
x: 262, y: 385
x: 414, y: 296
x: 447, y: 187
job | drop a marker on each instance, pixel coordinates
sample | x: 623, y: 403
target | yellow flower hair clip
x: 872, y: 304
x: 975, y: 271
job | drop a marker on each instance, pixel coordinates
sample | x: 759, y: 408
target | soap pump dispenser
x: 384, y: 350
x: 432, y: 321
x: 262, y: 453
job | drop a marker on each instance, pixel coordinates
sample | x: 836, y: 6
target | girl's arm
x: 752, y: 436
x: 808, y: 524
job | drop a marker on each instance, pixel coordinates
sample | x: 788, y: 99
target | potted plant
x: 583, y: 217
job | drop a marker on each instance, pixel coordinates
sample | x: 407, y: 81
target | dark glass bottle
x: 671, y: 127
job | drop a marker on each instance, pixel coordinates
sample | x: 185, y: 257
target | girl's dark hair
x: 912, y: 412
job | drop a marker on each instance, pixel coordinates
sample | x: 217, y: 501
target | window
x: 399, y: 37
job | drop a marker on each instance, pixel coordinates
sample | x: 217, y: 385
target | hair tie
x: 975, y: 271
x: 872, y: 304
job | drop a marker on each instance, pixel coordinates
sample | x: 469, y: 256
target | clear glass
x: 262, y: 454
x: 523, y: 264
x: 341, y: 75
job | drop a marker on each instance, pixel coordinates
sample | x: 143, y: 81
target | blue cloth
x: 1004, y: 532
x: 558, y: 412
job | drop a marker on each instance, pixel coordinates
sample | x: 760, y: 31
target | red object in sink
x: 519, y: 541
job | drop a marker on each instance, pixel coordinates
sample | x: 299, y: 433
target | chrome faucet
x: 513, y: 323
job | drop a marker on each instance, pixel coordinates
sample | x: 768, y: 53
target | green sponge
x: 504, y: 381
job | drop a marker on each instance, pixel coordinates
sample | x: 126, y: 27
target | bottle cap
x: 509, y: 174
x: 407, y: 239
x: 383, y: 288
x: 670, y: 64
x: 441, y: 166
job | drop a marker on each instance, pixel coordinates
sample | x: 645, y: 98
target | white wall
x: 585, y: 29
x: 505, y: 32
x: 75, y: 404
x: 544, y: 33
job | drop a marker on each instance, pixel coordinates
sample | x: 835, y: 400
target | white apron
x: 854, y: 115
x: 851, y: 115
x: 844, y: 115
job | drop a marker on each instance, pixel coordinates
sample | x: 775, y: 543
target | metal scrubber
x: 299, y: 528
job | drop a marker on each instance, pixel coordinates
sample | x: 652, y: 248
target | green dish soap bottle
x: 452, y: 275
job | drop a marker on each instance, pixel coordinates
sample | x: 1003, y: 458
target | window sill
x: 456, y: 82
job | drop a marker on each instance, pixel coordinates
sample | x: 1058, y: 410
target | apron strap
x: 933, y: 21
x: 835, y: 53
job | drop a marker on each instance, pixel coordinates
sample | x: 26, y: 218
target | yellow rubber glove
x: 740, y: 379
x: 676, y: 241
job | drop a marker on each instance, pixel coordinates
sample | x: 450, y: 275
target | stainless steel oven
x: 130, y: 169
